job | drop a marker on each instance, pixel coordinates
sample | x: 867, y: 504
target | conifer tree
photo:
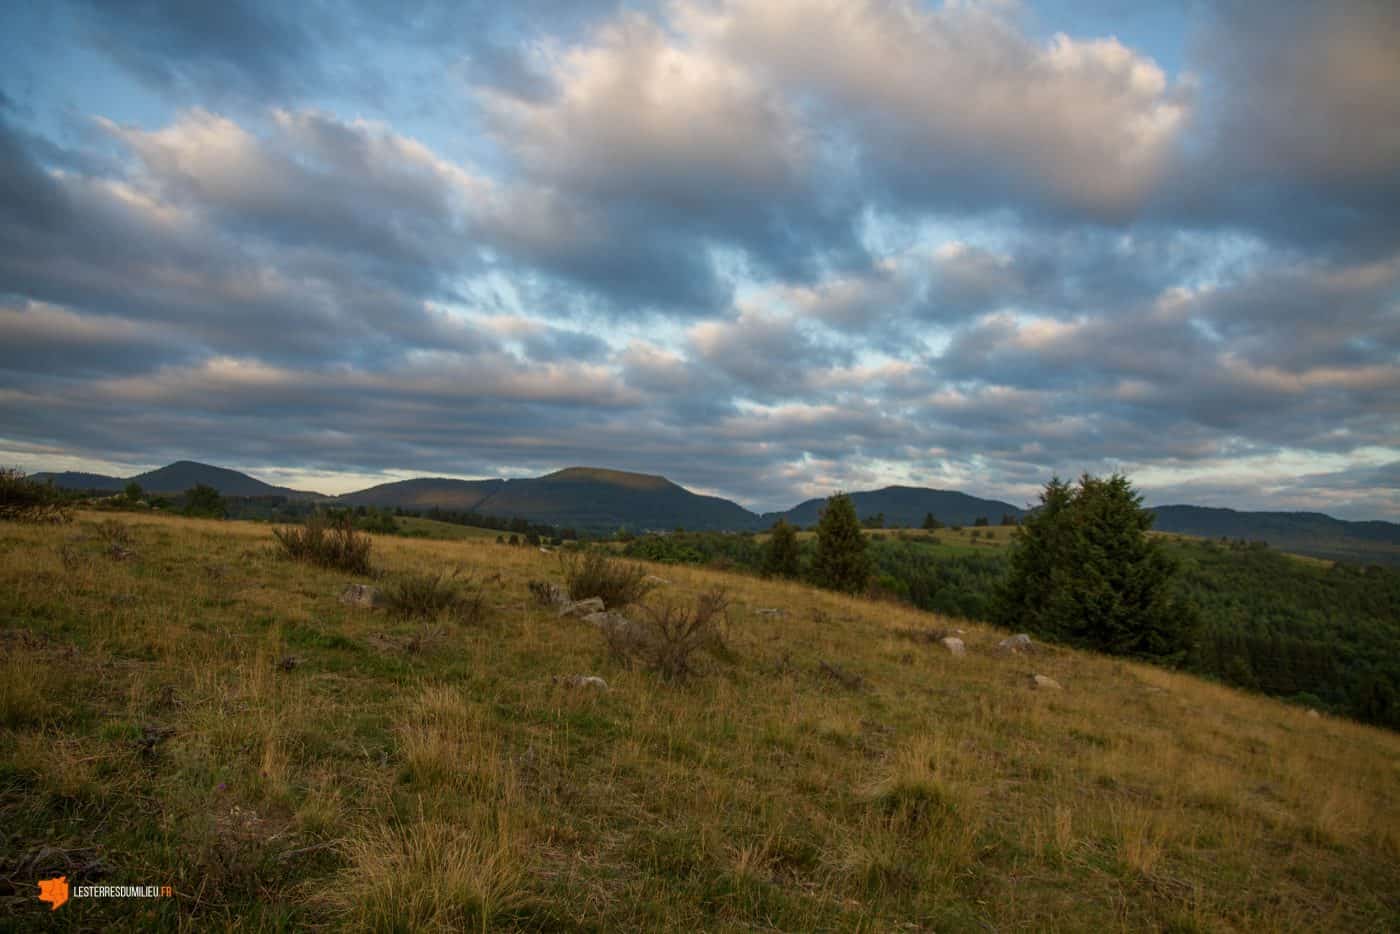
x: 1084, y: 571
x: 780, y: 559
x: 842, y: 562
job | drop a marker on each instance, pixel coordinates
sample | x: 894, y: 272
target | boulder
x: 1042, y: 683
x: 768, y: 611
x: 361, y: 595
x: 954, y: 645
x: 1015, y: 645
x: 608, y: 620
x: 1313, y: 715
x: 655, y: 581
x: 582, y: 608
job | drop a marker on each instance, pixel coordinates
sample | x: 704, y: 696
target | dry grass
x: 373, y: 786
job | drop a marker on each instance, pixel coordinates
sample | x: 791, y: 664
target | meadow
x: 179, y: 705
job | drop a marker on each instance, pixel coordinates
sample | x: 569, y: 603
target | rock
x: 653, y: 579
x: 608, y: 620
x: 1015, y: 645
x: 361, y: 595
x: 1042, y: 683
x: 1313, y: 715
x: 954, y: 645
x: 582, y: 607
x: 582, y: 681
x: 768, y: 611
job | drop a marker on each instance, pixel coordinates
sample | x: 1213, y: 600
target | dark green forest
x: 1327, y: 637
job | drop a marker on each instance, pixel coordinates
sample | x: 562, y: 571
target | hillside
x: 581, y: 497
x: 77, y: 480
x: 205, y: 715
x: 177, y: 478
x: 601, y: 500
x: 906, y: 507
x: 425, y: 493
x: 1308, y: 533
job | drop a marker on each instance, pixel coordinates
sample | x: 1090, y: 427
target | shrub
x: 23, y: 499
x: 429, y: 596
x: 665, y: 637
x: 616, y: 583
x: 319, y: 542
x: 202, y: 500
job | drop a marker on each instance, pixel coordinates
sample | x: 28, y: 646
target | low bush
x: 616, y: 583
x: 431, y: 596
x: 665, y: 637
x: 320, y: 542
x: 23, y: 499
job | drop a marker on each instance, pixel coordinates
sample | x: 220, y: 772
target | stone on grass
x: 608, y: 620
x: 1042, y: 683
x: 582, y: 607
x: 361, y: 595
x: 1313, y: 714
x: 1015, y: 645
x: 954, y: 645
x: 582, y: 681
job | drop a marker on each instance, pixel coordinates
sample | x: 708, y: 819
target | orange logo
x: 54, y: 890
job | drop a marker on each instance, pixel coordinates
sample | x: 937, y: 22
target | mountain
x: 582, y: 497
x: 76, y: 480
x: 1306, y: 533
x: 177, y: 478
x: 905, y: 507
x: 425, y: 493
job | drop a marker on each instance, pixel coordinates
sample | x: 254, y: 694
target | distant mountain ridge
x: 177, y: 478
x: 906, y: 507
x: 601, y: 499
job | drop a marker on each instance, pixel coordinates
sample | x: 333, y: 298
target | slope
x: 1308, y: 533
x: 309, y: 764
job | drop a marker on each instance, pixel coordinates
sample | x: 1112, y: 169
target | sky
x: 767, y: 248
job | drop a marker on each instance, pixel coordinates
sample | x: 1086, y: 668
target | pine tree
x: 1083, y: 570
x: 780, y: 558
x: 931, y: 523
x: 842, y: 562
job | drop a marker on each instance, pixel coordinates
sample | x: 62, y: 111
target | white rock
x: 653, y: 579
x: 608, y: 620
x: 582, y: 607
x: 1042, y: 683
x: 1015, y: 645
x: 1313, y: 715
x: 954, y: 645
x: 583, y: 681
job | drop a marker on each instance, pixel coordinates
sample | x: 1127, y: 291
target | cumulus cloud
x: 922, y: 243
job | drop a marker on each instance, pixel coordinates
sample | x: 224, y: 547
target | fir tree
x: 842, y: 562
x: 780, y: 558
x: 1084, y: 571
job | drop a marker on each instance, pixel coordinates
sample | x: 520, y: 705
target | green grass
x: 418, y: 527
x: 403, y: 775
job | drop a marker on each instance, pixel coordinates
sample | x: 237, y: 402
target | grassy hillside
x: 205, y: 715
x: 419, y: 527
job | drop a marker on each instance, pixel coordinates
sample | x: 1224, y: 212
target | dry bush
x: 116, y: 539
x: 25, y: 500
x: 320, y: 542
x: 429, y: 596
x: 616, y: 583
x: 666, y: 636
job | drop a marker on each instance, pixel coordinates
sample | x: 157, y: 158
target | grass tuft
x: 330, y: 545
x: 594, y: 574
